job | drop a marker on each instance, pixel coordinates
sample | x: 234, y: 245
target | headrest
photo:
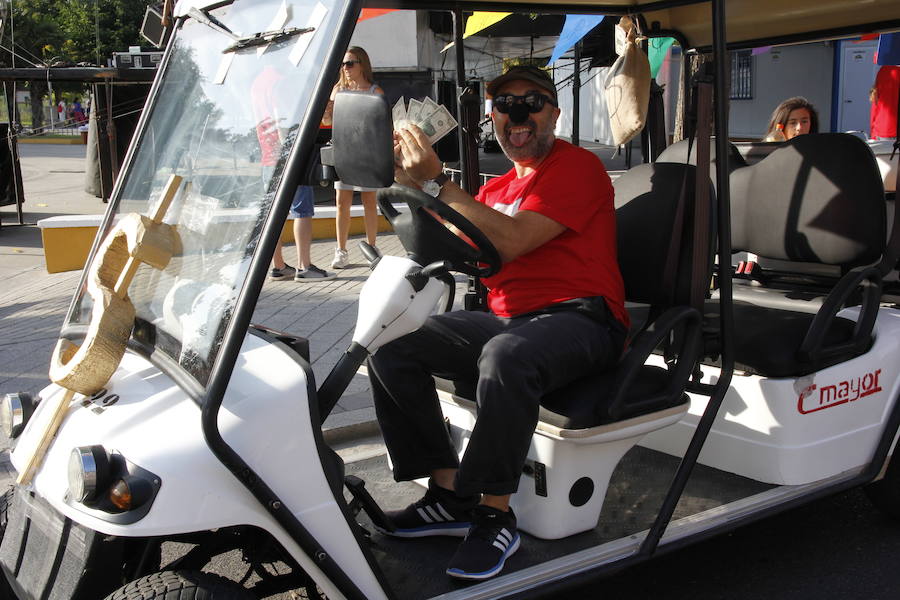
x: 817, y: 198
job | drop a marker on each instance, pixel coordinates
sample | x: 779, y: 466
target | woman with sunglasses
x: 356, y: 75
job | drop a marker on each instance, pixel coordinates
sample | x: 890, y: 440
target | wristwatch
x: 432, y: 187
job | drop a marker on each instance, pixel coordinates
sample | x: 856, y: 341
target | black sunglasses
x: 349, y: 63
x: 534, y: 101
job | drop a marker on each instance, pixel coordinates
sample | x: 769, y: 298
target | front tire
x: 6, y: 592
x: 181, y: 585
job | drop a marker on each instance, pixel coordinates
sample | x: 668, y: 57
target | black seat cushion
x: 766, y: 337
x: 766, y: 340
x: 585, y: 402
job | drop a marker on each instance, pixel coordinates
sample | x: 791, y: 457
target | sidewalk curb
x: 76, y: 141
x: 350, y: 425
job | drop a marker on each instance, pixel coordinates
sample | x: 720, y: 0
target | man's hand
x: 415, y: 154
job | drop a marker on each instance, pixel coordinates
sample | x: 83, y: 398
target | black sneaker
x: 285, y: 272
x: 439, y: 512
x: 313, y: 273
x: 491, y: 540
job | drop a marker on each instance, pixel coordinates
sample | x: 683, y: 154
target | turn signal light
x: 130, y: 492
x: 120, y: 495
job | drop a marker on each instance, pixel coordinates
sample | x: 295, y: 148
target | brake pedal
x: 362, y: 500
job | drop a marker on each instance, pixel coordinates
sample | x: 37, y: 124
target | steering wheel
x: 427, y: 240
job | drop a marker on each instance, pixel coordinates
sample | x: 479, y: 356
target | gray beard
x: 539, y: 146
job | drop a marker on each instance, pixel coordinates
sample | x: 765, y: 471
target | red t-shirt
x: 884, y: 109
x: 571, y: 187
x: 264, y: 98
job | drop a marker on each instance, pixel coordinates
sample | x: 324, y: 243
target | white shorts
x: 338, y: 185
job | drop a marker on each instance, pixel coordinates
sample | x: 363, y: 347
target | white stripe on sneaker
x: 425, y: 516
x: 444, y: 513
x: 506, y: 535
x: 434, y: 514
x: 500, y: 545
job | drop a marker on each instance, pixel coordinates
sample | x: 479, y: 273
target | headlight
x: 15, y: 410
x: 88, y: 472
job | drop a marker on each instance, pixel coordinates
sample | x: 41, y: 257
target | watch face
x: 431, y: 188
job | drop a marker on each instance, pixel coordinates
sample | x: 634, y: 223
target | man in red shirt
x: 884, y: 103
x: 556, y: 313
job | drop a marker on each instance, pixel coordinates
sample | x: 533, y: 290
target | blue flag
x: 888, y: 49
x: 575, y: 28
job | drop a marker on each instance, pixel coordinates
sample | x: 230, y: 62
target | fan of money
x: 432, y: 118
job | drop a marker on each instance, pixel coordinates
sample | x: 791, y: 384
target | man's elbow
x: 511, y: 249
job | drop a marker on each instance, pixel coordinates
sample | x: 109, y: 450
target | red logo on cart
x: 814, y: 398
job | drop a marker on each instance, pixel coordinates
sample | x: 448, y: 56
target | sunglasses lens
x: 348, y: 63
x: 502, y: 103
x: 534, y: 102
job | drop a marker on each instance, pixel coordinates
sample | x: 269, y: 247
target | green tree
x: 48, y: 32
x: 97, y: 28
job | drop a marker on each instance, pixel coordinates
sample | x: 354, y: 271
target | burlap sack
x: 628, y: 88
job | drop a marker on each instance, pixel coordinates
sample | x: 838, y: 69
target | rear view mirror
x: 362, y: 150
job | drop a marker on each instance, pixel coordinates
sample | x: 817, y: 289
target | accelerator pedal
x: 362, y: 500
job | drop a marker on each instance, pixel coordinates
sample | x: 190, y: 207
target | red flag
x: 369, y: 13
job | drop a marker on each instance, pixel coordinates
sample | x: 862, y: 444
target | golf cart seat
x: 678, y: 153
x: 646, y: 205
x: 817, y: 199
x: 586, y: 427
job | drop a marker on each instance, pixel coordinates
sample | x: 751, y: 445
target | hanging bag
x: 627, y: 85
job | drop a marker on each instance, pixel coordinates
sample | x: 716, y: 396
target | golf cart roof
x: 749, y: 22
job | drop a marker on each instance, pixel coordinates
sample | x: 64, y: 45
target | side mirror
x: 362, y: 145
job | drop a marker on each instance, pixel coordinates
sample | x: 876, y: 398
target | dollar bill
x: 412, y: 113
x: 432, y: 118
x: 399, y: 111
x: 428, y: 108
x: 438, y: 124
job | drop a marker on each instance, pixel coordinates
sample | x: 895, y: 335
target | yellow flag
x: 481, y: 20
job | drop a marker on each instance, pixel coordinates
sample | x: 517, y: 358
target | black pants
x: 512, y: 363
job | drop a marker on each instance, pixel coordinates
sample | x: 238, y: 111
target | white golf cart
x: 173, y: 420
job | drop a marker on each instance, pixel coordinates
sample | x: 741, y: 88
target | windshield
x: 224, y: 121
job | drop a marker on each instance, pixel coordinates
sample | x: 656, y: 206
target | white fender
x: 152, y: 423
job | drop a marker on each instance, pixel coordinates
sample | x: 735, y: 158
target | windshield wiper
x: 257, y: 39
x: 267, y: 37
x: 210, y: 21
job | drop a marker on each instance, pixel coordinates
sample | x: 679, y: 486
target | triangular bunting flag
x: 371, y: 13
x: 482, y: 20
x: 656, y: 53
x: 575, y: 28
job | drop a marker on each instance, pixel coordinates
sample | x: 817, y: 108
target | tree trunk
x: 37, y: 90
